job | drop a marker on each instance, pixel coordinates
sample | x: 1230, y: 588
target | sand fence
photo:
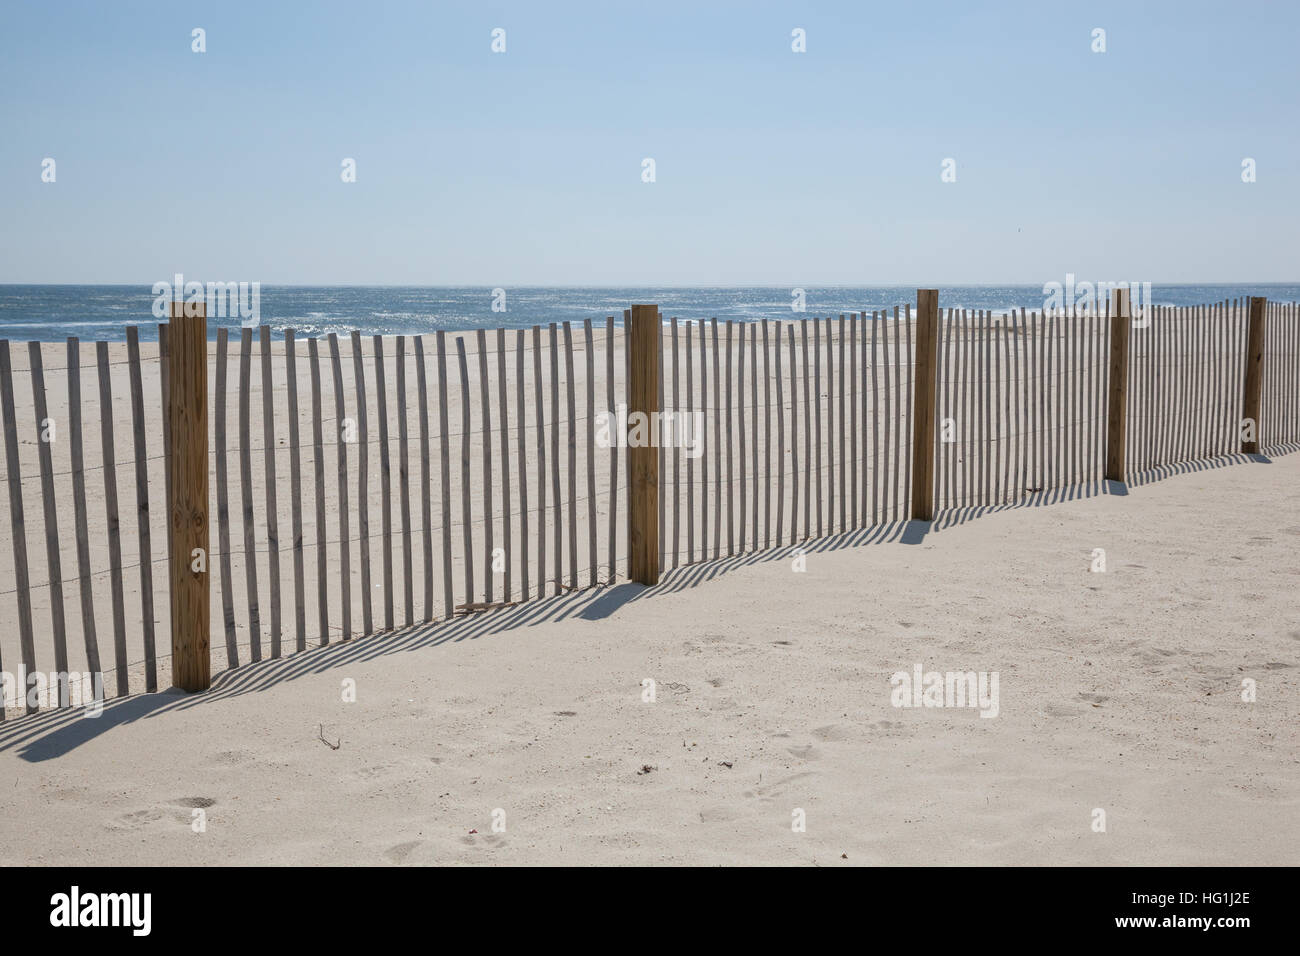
x: 342, y: 487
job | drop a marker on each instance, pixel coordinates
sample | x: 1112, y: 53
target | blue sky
x: 772, y: 167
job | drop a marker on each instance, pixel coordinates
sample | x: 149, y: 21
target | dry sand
x: 1119, y: 691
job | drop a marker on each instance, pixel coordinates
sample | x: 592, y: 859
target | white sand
x: 1119, y: 691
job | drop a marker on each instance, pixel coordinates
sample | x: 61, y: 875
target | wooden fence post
x: 925, y: 404
x: 1117, y: 410
x: 1250, y: 401
x: 188, y: 508
x: 643, y: 345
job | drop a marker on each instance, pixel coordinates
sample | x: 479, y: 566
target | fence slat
x: 223, y: 504
x: 677, y: 476
x: 268, y: 459
x: 363, y: 483
x: 385, y: 480
x: 467, y: 519
x: 345, y: 541
x: 18, y: 528
x: 740, y: 423
x: 767, y: 441
x: 164, y: 379
x: 522, y: 427
x: 246, y: 496
x: 807, y: 436
x: 572, y: 444
x: 717, y: 444
x: 731, y: 516
x: 318, y: 474
x: 113, y: 518
x: 794, y: 437
x: 753, y: 429
x: 540, y: 416
x: 612, y: 402
x: 142, y: 510
x: 404, y: 480
x: 426, y: 476
x: 839, y: 421
x: 485, y: 416
x: 295, y: 491
x: 589, y: 346
x: 556, y: 493
x: 690, y: 462
x: 855, y: 465
x: 444, y: 472
x: 79, y: 506
x: 506, y: 517
x: 50, y: 512
x: 780, y: 440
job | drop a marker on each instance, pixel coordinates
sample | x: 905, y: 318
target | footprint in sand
x: 399, y: 853
x: 178, y: 810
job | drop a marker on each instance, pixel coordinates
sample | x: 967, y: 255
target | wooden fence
x: 423, y: 477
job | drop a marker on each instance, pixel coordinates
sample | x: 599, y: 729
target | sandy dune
x: 1119, y: 691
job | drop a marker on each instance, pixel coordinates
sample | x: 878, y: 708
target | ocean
x: 51, y: 313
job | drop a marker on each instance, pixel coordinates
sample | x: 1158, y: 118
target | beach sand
x: 1119, y: 691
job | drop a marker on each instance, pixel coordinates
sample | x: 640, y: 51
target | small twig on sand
x: 326, y: 742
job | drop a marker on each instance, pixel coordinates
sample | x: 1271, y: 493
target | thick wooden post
x: 925, y: 403
x: 643, y: 344
x: 1117, y: 409
x: 1250, y: 400
x: 188, y: 507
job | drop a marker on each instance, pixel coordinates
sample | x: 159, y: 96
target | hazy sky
x: 772, y: 167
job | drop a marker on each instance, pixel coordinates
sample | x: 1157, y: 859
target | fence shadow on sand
x: 54, y: 733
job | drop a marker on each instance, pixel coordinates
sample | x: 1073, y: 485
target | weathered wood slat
x: 572, y: 443
x: 79, y: 503
x: 18, y: 529
x: 444, y: 487
x: 363, y: 483
x: 404, y: 480
x: 612, y: 401
x: 385, y: 481
x: 704, y: 443
x: 521, y: 401
x: 466, y: 436
x: 485, y: 416
x: 507, y: 585
x: 295, y: 492
x: 753, y: 429
x: 426, y: 478
x: 246, y: 496
x: 690, y: 461
x: 677, y: 476
x: 539, y: 410
x: 142, y: 510
x: 794, y: 436
x: 345, y: 538
x: 268, y: 457
x: 740, y: 423
x: 54, y: 562
x: 839, y: 421
x: 731, y: 516
x: 318, y: 475
x: 807, y: 435
x: 164, y: 380
x: 223, y: 504
x: 855, y: 465
x: 767, y: 440
x: 557, y: 496
x: 593, y: 558
x: 717, y: 443
x: 113, y: 519
x: 780, y: 439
